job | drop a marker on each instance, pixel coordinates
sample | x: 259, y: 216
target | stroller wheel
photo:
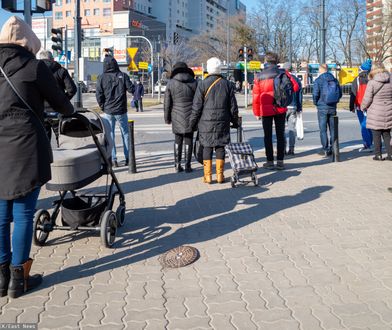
x: 233, y: 181
x: 255, y: 179
x: 40, y: 227
x: 120, y: 215
x: 108, y: 228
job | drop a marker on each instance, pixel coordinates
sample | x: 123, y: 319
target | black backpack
x: 283, y: 90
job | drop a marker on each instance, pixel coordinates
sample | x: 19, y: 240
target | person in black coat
x: 214, y: 108
x: 24, y: 149
x: 179, y: 94
x: 64, y: 81
x: 111, y: 95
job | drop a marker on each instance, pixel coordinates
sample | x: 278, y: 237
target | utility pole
x: 291, y: 43
x: 66, y: 46
x: 228, y: 40
x: 159, y: 79
x: 78, y: 101
x: 323, y: 33
x: 27, y: 11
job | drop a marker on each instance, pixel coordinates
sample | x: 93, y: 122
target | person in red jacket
x: 264, y: 108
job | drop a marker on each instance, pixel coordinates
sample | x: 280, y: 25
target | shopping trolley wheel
x: 41, y: 227
x: 120, y: 215
x: 255, y: 179
x: 108, y: 228
x: 233, y: 182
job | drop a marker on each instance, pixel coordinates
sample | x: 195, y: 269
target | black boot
x: 188, y: 158
x: 177, y: 157
x: 4, y: 278
x: 21, y: 281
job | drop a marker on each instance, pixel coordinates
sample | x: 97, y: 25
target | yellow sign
x: 347, y: 75
x: 254, y: 65
x: 131, y: 53
x: 143, y: 65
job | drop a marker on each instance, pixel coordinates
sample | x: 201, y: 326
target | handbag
x: 197, y: 147
x: 299, y: 126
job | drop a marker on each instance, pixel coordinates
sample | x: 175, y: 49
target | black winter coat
x: 179, y: 94
x: 211, y: 115
x: 62, y: 78
x: 112, y: 87
x: 25, y: 153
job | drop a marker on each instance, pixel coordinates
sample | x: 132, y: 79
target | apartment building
x: 379, y: 30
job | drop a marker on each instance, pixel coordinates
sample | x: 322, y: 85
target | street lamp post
x: 323, y: 33
x: 78, y: 101
x: 27, y: 11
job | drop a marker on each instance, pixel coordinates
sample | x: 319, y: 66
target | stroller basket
x: 241, y: 157
x: 80, y: 211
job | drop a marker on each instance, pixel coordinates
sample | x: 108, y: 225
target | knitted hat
x: 367, y: 65
x: 214, y: 65
x: 18, y: 32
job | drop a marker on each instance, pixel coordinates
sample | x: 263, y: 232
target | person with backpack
x: 272, y: 92
x: 214, y: 108
x: 377, y: 101
x: 326, y: 95
x: 292, y: 110
x: 179, y: 94
x: 358, y: 88
x: 111, y: 95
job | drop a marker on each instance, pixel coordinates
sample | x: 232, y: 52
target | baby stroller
x: 83, y: 156
x: 242, y: 160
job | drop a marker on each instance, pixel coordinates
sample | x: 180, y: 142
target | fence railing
x: 346, y: 89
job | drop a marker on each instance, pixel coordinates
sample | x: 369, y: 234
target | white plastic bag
x: 299, y: 126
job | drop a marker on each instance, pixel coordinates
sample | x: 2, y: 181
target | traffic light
x: 241, y: 54
x: 250, y: 54
x: 175, y: 38
x: 57, y: 40
x: 81, y: 34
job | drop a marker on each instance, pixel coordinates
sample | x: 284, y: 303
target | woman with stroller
x: 214, y: 108
x: 24, y: 148
x: 179, y: 94
x: 378, y: 103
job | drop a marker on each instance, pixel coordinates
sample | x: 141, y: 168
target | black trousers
x: 186, y: 138
x: 386, y: 135
x: 279, y: 128
x: 219, y: 152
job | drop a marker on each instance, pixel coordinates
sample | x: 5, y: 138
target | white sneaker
x: 365, y: 149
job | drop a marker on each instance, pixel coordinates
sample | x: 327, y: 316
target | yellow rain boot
x: 220, y: 167
x: 207, y: 165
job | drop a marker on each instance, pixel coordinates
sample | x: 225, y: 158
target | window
x: 149, y: 10
x: 58, y: 15
x: 87, y: 12
x: 106, y: 12
x: 59, y: 2
x: 68, y: 13
x: 96, y: 12
x: 67, y: 1
x: 107, y: 0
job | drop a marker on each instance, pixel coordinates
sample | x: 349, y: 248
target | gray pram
x: 83, y: 156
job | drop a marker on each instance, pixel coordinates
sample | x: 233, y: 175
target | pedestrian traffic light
x: 81, y: 34
x: 241, y: 54
x: 57, y: 39
x: 250, y: 54
x: 175, y: 38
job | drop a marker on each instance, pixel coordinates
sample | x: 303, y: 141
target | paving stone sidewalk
x: 310, y: 248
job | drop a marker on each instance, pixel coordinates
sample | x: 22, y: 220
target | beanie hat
x: 214, y: 65
x: 367, y: 65
x: 18, y: 32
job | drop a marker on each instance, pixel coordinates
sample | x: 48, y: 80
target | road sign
x: 143, y: 65
x: 132, y: 65
x: 254, y: 65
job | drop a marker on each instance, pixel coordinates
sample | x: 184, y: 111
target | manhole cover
x: 179, y: 257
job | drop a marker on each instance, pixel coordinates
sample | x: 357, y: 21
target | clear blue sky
x: 5, y: 14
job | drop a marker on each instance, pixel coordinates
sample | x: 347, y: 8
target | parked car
x: 163, y: 87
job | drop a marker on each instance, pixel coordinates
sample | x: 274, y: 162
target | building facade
x: 379, y: 31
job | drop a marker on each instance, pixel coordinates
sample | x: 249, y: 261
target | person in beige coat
x: 378, y: 103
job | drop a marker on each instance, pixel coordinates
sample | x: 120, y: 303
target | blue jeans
x: 291, y: 119
x: 123, y: 121
x: 325, y: 119
x: 367, y: 135
x: 21, y: 212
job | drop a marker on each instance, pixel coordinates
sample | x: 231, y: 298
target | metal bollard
x: 335, y: 147
x: 239, y: 130
x: 131, y: 150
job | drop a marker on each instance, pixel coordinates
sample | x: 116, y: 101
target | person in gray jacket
x: 378, y: 103
x: 179, y: 94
